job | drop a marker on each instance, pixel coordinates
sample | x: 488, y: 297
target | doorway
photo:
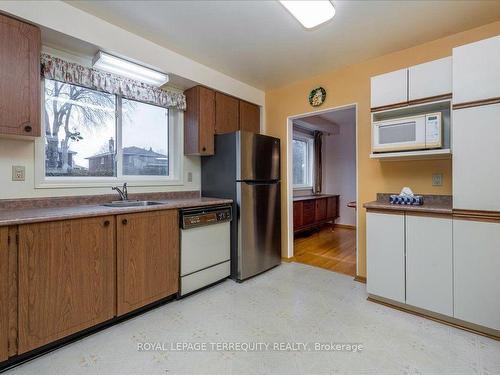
x: 322, y: 189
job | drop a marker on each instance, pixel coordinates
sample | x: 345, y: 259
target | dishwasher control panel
x: 205, y: 216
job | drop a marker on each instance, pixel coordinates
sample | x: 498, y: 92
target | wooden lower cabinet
x: 297, y: 214
x: 148, y: 258
x: 310, y: 213
x: 4, y: 293
x: 320, y: 209
x: 66, y: 278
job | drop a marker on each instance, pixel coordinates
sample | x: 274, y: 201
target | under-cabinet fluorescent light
x: 310, y: 13
x: 115, y: 65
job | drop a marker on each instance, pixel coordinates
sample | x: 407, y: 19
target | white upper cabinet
x: 385, y: 237
x: 430, y: 79
x: 389, y: 88
x: 476, y: 71
x: 476, y: 154
x: 429, y: 263
x: 476, y: 250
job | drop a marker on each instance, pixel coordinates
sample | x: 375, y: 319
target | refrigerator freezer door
x: 259, y: 228
x: 259, y: 157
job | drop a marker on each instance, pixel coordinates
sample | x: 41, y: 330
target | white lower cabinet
x: 476, y: 252
x: 385, y: 236
x: 429, y: 263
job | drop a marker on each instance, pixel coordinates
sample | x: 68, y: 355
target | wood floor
x: 333, y: 250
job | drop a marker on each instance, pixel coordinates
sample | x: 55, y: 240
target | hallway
x: 332, y: 250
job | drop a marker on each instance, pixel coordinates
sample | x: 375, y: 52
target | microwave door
x: 399, y: 136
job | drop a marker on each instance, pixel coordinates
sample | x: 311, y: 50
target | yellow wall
x: 352, y: 85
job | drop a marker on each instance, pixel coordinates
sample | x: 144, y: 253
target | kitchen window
x: 303, y: 153
x: 92, y: 137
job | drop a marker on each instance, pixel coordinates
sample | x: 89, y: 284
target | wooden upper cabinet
x: 19, y: 78
x: 226, y: 113
x: 66, y: 278
x: 148, y: 258
x: 199, y: 121
x: 249, y: 117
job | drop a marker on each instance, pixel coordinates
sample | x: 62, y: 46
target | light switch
x: 190, y: 176
x: 18, y: 172
x: 437, y: 179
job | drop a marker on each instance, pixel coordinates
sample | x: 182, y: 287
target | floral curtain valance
x: 68, y: 72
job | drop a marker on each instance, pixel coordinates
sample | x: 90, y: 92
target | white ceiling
x: 260, y: 43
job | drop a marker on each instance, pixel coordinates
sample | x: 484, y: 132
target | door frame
x: 289, y: 173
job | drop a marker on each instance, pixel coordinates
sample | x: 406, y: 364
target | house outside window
x: 92, y: 136
x: 303, y: 153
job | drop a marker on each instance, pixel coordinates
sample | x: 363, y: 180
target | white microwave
x: 409, y: 133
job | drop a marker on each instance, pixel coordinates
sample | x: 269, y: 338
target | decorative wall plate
x: 317, y: 96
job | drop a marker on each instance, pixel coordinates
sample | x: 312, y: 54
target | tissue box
x: 416, y: 200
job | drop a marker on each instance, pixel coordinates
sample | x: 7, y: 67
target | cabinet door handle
x: 204, y: 149
x: 106, y: 223
x: 28, y: 128
x: 124, y: 221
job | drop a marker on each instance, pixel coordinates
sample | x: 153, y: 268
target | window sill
x: 131, y: 182
x: 295, y: 188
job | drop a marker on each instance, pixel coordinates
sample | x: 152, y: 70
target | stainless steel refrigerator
x: 246, y: 169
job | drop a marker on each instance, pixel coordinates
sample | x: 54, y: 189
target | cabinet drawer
x: 308, y: 212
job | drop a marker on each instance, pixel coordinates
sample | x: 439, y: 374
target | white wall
x: 14, y: 152
x: 339, y: 169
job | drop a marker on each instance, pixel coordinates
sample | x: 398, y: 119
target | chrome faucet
x: 123, y: 192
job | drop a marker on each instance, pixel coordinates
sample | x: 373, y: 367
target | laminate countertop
x: 437, y: 204
x: 316, y: 196
x: 36, y: 215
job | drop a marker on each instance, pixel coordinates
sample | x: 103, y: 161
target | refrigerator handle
x: 270, y: 182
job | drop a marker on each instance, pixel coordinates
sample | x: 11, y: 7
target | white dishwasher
x: 205, y: 247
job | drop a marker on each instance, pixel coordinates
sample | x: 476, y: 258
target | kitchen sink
x: 131, y: 203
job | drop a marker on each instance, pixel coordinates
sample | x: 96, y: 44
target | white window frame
x: 175, y: 159
x: 309, y: 139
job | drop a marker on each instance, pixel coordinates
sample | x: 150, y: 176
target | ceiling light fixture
x: 115, y: 65
x: 310, y: 13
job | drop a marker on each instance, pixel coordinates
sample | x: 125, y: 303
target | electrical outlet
x: 190, y: 176
x: 437, y: 179
x: 18, y: 172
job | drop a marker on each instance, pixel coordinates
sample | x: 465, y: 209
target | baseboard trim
x: 345, y: 226
x: 360, y: 279
x: 288, y: 260
x: 439, y: 318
